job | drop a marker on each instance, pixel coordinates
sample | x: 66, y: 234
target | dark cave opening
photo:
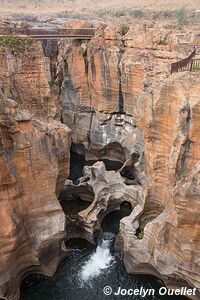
x: 128, y: 172
x: 111, y: 221
x: 79, y: 243
x: 111, y: 165
x: 73, y: 204
x: 112, y: 151
x: 77, y: 163
x: 130, y: 175
x: 112, y: 156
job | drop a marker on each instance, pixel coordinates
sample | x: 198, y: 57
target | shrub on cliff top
x: 102, y: 13
x: 182, y: 17
x: 15, y: 44
x: 125, y: 29
x: 137, y: 13
x: 163, y: 14
x: 120, y: 13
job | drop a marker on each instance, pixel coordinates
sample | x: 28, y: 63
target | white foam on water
x: 100, y: 260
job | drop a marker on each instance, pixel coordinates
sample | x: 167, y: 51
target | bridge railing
x: 184, y: 64
x: 195, y: 65
x: 48, y: 32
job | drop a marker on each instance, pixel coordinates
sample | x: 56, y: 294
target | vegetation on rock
x: 182, y: 17
x: 102, y: 13
x: 120, y: 13
x: 125, y: 29
x: 140, y: 233
x: 143, y: 223
x: 15, y: 44
x: 137, y: 13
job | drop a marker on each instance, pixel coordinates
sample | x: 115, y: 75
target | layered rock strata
x: 34, y: 163
x: 171, y: 241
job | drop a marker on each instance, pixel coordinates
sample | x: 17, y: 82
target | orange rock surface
x: 34, y: 163
x: 116, y: 75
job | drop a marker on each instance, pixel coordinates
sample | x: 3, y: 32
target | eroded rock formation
x: 109, y: 189
x: 136, y: 128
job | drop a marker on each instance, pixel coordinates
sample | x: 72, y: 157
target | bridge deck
x: 57, y: 33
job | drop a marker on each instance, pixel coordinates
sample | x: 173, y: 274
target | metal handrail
x: 195, y: 65
x: 184, y: 64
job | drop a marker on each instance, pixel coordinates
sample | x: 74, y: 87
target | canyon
x: 103, y: 122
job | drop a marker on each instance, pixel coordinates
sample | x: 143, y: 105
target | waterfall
x: 99, y: 261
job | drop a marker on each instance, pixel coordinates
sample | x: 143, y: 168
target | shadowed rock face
x: 136, y: 131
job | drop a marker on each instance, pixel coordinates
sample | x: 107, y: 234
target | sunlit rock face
x: 28, y: 78
x: 34, y: 163
x: 171, y: 240
x: 121, y: 103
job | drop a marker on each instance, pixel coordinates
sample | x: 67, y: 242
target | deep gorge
x: 96, y: 137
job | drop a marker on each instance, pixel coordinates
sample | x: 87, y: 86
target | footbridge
x: 57, y: 33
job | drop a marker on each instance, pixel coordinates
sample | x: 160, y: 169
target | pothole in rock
x: 130, y: 175
x: 111, y: 221
x: 72, y: 205
x: 128, y: 172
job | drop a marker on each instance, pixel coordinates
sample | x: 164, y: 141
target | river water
x: 83, y: 275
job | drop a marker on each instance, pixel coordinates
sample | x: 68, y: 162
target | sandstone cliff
x: 34, y: 163
x: 122, y: 104
x: 171, y: 241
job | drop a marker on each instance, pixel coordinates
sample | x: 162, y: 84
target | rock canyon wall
x: 34, y: 163
x: 137, y: 128
x: 121, y: 102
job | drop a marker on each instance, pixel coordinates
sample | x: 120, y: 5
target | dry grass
x: 49, y: 7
